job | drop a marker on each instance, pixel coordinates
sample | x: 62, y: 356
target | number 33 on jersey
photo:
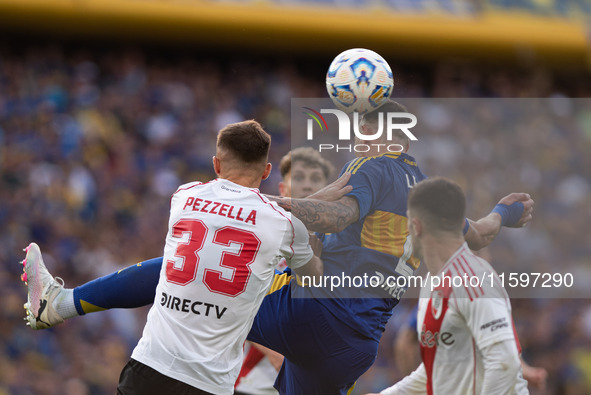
x: 222, y: 246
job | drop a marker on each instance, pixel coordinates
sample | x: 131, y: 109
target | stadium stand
x: 95, y: 137
x: 93, y: 143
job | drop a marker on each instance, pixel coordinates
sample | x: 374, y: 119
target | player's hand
x: 334, y: 191
x: 316, y: 244
x: 528, y: 207
x: 536, y: 377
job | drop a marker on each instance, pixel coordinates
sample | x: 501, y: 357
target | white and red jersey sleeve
x: 481, y: 300
x: 296, y: 247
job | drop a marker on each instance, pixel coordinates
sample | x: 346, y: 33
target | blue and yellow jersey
x: 378, y: 244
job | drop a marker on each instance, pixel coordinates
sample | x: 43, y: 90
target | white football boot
x: 42, y: 290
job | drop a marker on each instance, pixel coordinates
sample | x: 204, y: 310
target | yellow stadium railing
x: 267, y: 25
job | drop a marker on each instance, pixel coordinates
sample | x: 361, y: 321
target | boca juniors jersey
x: 223, y: 243
x: 378, y: 244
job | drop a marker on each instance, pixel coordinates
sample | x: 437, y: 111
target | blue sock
x: 134, y: 286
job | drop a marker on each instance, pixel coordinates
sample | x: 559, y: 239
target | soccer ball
x: 359, y: 80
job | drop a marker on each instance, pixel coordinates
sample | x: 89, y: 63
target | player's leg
x: 325, y: 377
x: 133, y: 286
x: 322, y: 355
x: 49, y: 303
x: 325, y: 361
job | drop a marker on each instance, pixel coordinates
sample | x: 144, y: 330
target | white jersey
x: 258, y: 376
x: 223, y: 243
x: 455, y: 322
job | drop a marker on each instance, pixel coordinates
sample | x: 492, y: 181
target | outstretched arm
x: 335, y: 190
x: 326, y: 211
x: 514, y: 211
x: 322, y: 216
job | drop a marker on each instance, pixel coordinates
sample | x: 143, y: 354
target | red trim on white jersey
x: 195, y: 184
x: 210, y: 363
x: 459, y: 273
x: 452, y: 258
x: 266, y: 201
x: 451, y: 333
x: 473, y: 274
x: 252, y: 358
x: 517, y: 342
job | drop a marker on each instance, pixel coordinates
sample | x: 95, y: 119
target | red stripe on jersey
x: 182, y: 189
x: 197, y: 183
x: 516, y: 337
x: 452, y: 258
x: 473, y: 275
x: 251, y: 360
x: 434, y: 316
x: 292, y: 227
x: 460, y: 274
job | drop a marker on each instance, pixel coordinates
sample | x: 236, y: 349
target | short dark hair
x: 389, y: 106
x: 307, y: 155
x: 441, y: 203
x: 246, y: 141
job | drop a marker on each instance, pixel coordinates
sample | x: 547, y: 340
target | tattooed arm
x: 322, y: 216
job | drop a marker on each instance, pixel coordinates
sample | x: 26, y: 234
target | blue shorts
x: 323, y: 355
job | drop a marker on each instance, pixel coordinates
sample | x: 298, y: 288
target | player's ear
x: 282, y: 188
x: 216, y: 165
x: 417, y: 226
x: 406, y: 144
x: 363, y: 126
x: 267, y: 172
x: 414, y: 226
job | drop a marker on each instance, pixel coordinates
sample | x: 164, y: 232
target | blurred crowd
x: 562, y: 8
x: 93, y: 143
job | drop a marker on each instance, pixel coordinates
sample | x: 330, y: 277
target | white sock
x: 64, y: 304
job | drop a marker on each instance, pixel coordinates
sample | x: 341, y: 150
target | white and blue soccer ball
x: 359, y: 80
